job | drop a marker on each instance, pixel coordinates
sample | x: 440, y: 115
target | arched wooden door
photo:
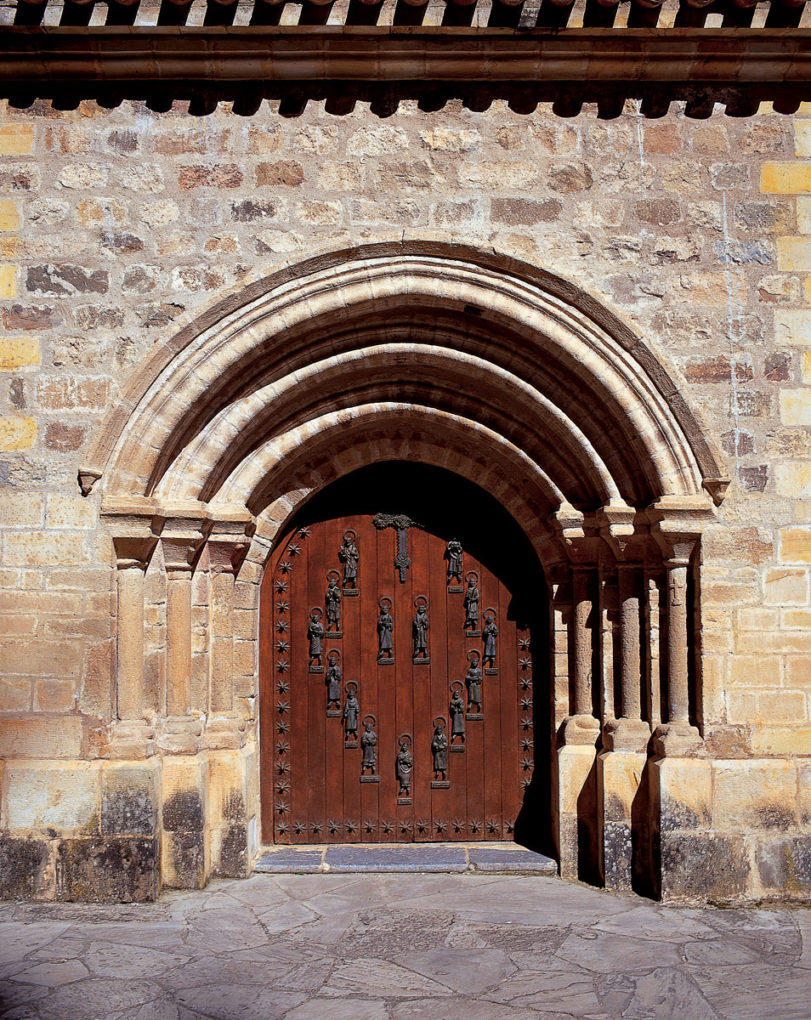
x: 397, y: 687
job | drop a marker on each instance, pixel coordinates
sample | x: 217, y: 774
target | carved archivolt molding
x: 498, y: 360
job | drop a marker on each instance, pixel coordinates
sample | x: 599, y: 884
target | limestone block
x: 129, y: 800
x: 16, y: 353
x: 16, y: 432
x: 753, y: 795
x: 684, y: 788
x: 64, y: 796
x: 780, y: 739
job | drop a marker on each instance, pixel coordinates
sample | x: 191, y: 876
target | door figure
x: 397, y: 692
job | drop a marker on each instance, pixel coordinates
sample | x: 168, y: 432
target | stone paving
x: 402, y: 947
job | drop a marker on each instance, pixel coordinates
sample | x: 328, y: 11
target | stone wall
x: 119, y: 227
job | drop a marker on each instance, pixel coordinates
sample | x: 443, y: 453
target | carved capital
x: 677, y: 524
x: 569, y: 523
x: 88, y: 477
x: 134, y: 550
x: 226, y: 552
x: 181, y: 540
x: 616, y: 524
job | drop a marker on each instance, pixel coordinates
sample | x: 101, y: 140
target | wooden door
x: 378, y: 726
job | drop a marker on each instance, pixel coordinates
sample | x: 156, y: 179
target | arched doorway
x: 427, y: 355
x: 404, y: 684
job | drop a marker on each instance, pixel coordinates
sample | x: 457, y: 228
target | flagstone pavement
x: 402, y: 947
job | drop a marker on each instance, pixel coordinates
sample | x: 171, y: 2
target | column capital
x: 617, y: 525
x: 134, y: 550
x: 228, y: 542
x: 181, y: 540
x: 677, y: 525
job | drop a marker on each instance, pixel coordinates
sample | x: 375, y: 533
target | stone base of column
x: 180, y: 735
x: 225, y: 732
x: 626, y: 735
x: 676, y: 740
x: 576, y: 797
x: 230, y: 808
x: 619, y: 774
x: 132, y: 740
x: 581, y: 729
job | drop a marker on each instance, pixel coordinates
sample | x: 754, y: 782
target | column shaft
x: 130, y: 643
x: 677, y: 665
x: 178, y: 643
x: 630, y: 669
x: 582, y: 610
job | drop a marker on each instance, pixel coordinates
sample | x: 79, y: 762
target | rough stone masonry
x: 125, y: 229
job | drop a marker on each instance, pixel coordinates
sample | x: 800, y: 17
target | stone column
x: 630, y: 732
x: 223, y: 728
x: 180, y: 542
x: 132, y: 736
x: 676, y: 527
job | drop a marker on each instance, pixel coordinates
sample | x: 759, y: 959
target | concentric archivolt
x: 371, y: 354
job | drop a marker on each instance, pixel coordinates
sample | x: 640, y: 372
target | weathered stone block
x: 41, y: 796
x: 46, y: 737
x: 703, y: 866
x: 785, y: 178
x: 684, y: 793
x: 183, y: 860
x: 110, y: 870
x: 750, y: 795
x: 66, y: 279
x: 16, y: 139
x: 23, y: 868
x: 784, y: 865
x: 785, y: 586
x: 129, y: 801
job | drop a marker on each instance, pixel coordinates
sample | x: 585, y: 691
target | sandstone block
x: 785, y: 586
x: 70, y: 512
x: 109, y: 870
x: 9, y: 214
x: 17, y: 433
x: 23, y: 868
x: 780, y: 740
x: 21, y: 510
x: 60, y: 795
x: 66, y: 279
x: 319, y: 212
x: 524, y: 211
x: 785, y: 178
x: 265, y: 139
x: 15, y: 692
x: 685, y: 793
x: 784, y: 865
x: 750, y: 796
x: 711, y: 867
x: 16, y: 139
x: 754, y: 670
x: 183, y: 794
x: 18, y: 353
x: 54, y: 695
x: 795, y: 406
x: 58, y: 737
x: 129, y: 804
x: 8, y: 282
x: 64, y: 438
x: 793, y: 478
x: 377, y: 141
x: 795, y: 544
x: 781, y: 706
x: 284, y: 173
x: 83, y: 176
x: 92, y: 211
x: 794, y: 254
x: 71, y: 393
x: 226, y: 788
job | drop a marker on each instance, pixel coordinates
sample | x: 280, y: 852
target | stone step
x: 446, y: 858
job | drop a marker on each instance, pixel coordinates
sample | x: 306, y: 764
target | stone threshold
x: 419, y: 858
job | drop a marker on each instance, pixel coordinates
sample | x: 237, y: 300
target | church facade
x: 530, y: 390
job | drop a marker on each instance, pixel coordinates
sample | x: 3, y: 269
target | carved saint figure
x: 453, y: 554
x: 473, y: 680
x: 333, y: 680
x: 351, y: 712
x: 333, y: 603
x: 315, y: 632
x: 405, y: 765
x: 439, y: 749
x: 348, y: 555
x: 420, y: 630
x: 489, y: 635
x: 457, y: 709
x: 385, y: 626
x: 368, y: 741
x: 472, y: 597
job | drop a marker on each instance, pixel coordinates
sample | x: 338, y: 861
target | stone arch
x: 492, y: 369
